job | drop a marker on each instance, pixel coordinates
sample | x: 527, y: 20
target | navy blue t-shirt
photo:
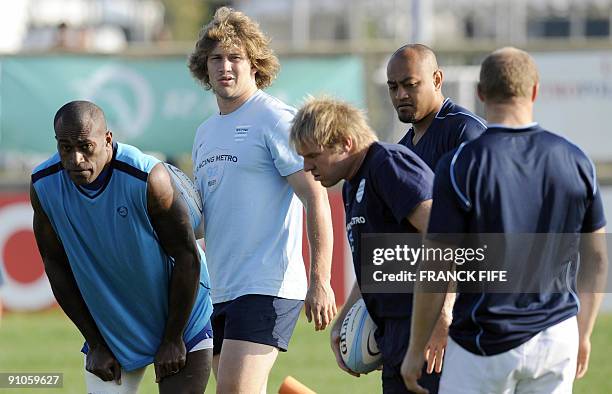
x: 388, y: 186
x: 525, y: 180
x: 452, y: 125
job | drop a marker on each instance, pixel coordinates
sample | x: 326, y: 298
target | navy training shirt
x: 451, y: 126
x: 523, y: 180
x: 388, y: 186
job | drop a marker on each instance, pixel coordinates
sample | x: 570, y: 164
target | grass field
x: 47, y: 342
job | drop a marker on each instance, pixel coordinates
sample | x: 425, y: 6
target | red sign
x: 26, y: 286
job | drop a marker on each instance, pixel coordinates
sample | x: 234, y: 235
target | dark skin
x: 84, y: 152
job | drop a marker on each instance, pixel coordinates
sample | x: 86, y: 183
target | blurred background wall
x: 129, y: 56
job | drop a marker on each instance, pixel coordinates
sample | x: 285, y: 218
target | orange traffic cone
x: 291, y: 386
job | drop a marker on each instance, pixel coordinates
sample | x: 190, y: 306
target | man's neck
x: 358, y: 158
x: 229, y: 105
x: 420, y: 128
x: 514, y: 114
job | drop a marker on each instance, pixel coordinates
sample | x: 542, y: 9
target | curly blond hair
x: 231, y: 28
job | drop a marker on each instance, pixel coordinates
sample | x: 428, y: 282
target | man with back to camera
x: 415, y: 87
x: 253, y: 185
x: 533, y: 181
x: 119, y: 249
x: 387, y: 189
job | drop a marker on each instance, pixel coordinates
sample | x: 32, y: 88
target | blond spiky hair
x: 327, y: 122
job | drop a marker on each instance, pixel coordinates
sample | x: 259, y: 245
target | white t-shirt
x: 252, y: 217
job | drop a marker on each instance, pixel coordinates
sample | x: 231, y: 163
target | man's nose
x: 76, y: 158
x: 401, y: 93
x: 308, y: 166
x: 226, y: 65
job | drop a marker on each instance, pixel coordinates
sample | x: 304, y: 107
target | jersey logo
x: 211, y: 168
x: 213, y: 176
x: 241, y: 133
x: 360, y: 190
x: 122, y: 211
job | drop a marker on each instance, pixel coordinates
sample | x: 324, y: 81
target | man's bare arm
x: 592, y: 278
x: 172, y: 225
x: 100, y: 360
x: 320, y: 303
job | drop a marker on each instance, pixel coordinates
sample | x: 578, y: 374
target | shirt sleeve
x: 286, y: 160
x: 403, y: 183
x: 594, y: 218
x: 449, y: 214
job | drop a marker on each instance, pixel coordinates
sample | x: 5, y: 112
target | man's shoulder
x: 48, y: 167
x: 386, y: 155
x: 132, y: 160
x: 557, y: 143
x: 455, y: 115
x: 51, y: 161
x: 267, y: 106
x: 388, y: 151
x: 379, y: 152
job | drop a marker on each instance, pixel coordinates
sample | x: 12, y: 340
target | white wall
x: 13, y: 18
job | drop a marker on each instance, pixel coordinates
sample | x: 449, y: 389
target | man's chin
x: 80, y: 180
x: 327, y: 183
x: 225, y: 92
x: 406, y: 119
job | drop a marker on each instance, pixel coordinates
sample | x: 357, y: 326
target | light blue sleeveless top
x: 120, y: 267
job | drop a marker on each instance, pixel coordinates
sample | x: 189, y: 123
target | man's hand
x: 170, y: 359
x: 101, y: 362
x: 411, y: 370
x: 584, y: 351
x: 335, y: 346
x: 434, y: 351
x: 320, y: 304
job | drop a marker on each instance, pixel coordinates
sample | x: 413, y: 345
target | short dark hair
x: 507, y: 73
x: 79, y: 113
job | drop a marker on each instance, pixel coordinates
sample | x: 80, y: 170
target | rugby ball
x: 358, y: 347
x: 189, y: 193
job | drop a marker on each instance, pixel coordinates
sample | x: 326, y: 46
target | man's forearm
x: 353, y: 296
x: 320, y: 236
x: 425, y: 313
x: 592, y: 278
x: 449, y: 303
x: 182, y: 294
x: 589, y: 306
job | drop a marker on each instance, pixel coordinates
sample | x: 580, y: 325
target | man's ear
x: 534, y: 91
x: 479, y: 92
x: 438, y: 78
x: 108, y: 138
x: 347, y: 144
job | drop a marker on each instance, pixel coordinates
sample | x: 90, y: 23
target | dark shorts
x: 392, y: 337
x: 255, y: 318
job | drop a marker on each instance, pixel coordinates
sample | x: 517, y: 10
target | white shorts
x: 129, y: 380
x: 544, y: 364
